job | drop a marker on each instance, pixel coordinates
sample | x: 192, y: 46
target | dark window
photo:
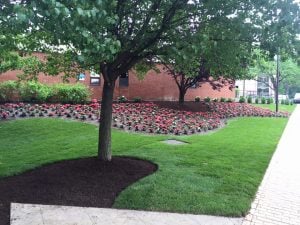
x: 123, y: 80
x: 95, y: 81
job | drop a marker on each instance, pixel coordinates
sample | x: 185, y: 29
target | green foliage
x: 222, y: 99
x: 249, y: 99
x: 197, y: 99
x: 33, y: 91
x: 282, y: 101
x: 137, y: 99
x: 122, y: 99
x: 207, y: 99
x: 286, y: 102
x: 229, y: 100
x: 242, y: 99
x: 263, y: 100
x: 256, y: 100
x: 8, y: 91
x: 215, y: 100
x: 268, y: 100
x: 70, y: 93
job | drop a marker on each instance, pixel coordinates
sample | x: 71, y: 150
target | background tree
x: 280, y: 28
x: 288, y: 76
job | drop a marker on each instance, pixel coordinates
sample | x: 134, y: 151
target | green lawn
x: 216, y: 174
x: 287, y: 108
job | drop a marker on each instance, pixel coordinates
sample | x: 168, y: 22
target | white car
x: 297, y: 98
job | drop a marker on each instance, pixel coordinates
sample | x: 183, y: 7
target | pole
x: 277, y: 81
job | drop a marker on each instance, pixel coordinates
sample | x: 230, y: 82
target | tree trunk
x: 181, y: 96
x: 104, y: 144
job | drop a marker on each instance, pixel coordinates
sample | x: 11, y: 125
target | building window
x: 124, y: 80
x: 95, y: 78
x: 81, y: 77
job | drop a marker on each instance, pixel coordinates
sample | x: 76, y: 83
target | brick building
x: 155, y: 86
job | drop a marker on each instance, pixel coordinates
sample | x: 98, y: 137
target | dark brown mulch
x: 186, y: 106
x: 83, y: 182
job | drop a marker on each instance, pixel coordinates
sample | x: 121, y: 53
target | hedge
x: 35, y: 92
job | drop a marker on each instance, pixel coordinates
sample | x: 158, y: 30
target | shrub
x: 197, y: 99
x: 282, y: 101
x: 229, y: 100
x: 268, y: 101
x: 287, y: 102
x: 33, y: 91
x: 222, y: 99
x: 137, y: 99
x: 215, y: 100
x: 256, y: 100
x: 271, y: 100
x: 69, y: 93
x: 207, y: 99
x: 291, y: 103
x: 8, y: 91
x: 263, y: 100
x: 242, y: 99
x: 249, y: 99
x: 122, y: 99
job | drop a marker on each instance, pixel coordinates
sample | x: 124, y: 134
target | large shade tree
x: 210, y: 56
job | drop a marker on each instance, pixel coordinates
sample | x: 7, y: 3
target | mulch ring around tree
x: 82, y: 182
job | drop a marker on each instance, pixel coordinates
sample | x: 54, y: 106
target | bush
x: 222, y: 99
x: 215, y: 100
x: 33, y: 91
x: 137, y: 99
x: 249, y: 99
x: 263, y: 100
x: 229, y: 100
x: 69, y: 93
x: 291, y: 102
x: 287, y: 102
x: 8, y: 91
x: 256, y: 100
x: 268, y: 101
x: 122, y: 99
x: 242, y: 99
x: 282, y: 101
x: 207, y: 99
x: 197, y: 99
x: 271, y: 100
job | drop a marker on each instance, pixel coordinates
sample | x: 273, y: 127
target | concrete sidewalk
x: 278, y: 199
x: 27, y: 214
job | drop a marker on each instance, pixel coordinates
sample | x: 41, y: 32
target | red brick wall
x: 155, y: 86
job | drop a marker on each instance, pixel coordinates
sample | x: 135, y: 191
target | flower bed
x: 141, y: 117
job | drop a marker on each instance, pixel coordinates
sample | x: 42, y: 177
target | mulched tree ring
x: 82, y: 182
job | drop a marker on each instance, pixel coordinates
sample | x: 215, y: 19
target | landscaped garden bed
x: 143, y: 117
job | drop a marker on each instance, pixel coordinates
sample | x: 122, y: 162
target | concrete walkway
x: 26, y: 214
x: 278, y: 199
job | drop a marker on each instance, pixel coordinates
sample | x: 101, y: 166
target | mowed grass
x: 281, y: 107
x: 216, y: 173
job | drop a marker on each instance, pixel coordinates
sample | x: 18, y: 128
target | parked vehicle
x: 297, y: 98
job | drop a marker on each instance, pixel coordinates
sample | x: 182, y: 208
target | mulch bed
x: 83, y: 182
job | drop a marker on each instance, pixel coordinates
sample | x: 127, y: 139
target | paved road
x: 278, y: 199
